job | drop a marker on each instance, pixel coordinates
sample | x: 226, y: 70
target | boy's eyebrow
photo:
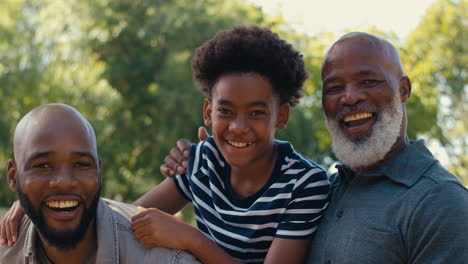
x: 224, y: 102
x: 255, y: 103
x: 259, y: 103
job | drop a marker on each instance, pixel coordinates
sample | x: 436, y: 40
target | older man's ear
x: 11, y: 175
x: 405, y: 88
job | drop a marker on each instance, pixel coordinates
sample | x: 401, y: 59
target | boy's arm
x: 153, y: 227
x: 165, y: 197
x: 283, y: 250
x: 9, y: 226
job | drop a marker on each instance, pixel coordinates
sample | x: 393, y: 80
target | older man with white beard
x: 391, y: 201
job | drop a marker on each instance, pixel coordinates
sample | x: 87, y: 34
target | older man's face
x: 58, y: 180
x: 361, y: 102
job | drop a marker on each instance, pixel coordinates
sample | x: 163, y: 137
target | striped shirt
x: 290, y: 204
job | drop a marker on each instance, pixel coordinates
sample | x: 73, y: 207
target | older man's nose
x: 353, y: 95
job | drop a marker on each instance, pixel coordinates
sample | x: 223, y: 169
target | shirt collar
x: 408, y: 166
x: 107, y: 234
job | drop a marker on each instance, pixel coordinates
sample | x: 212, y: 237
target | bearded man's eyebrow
x: 38, y: 155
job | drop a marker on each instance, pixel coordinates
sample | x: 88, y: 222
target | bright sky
x: 313, y: 16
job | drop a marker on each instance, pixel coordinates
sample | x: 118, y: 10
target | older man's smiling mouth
x: 357, y: 119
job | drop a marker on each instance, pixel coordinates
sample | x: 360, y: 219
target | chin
x: 366, y: 149
x: 63, y: 239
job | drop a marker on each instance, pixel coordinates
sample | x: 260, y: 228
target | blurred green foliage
x: 125, y: 64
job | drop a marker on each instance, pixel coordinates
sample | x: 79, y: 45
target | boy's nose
x: 239, y: 125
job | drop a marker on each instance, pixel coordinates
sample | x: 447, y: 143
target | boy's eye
x: 224, y: 111
x: 257, y: 112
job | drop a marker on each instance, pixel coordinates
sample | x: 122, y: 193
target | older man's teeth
x: 239, y: 144
x: 62, y: 204
x: 357, y: 117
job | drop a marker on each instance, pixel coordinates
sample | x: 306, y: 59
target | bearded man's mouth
x: 357, y: 119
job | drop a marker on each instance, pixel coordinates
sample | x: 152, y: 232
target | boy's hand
x: 154, y: 227
x: 176, y: 162
x: 9, y: 224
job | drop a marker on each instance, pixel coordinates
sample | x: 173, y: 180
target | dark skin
x: 243, y: 112
x: 56, y: 162
x: 363, y: 69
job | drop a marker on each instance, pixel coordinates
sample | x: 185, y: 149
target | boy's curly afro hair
x: 251, y: 49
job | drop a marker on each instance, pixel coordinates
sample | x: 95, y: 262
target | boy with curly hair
x: 256, y: 199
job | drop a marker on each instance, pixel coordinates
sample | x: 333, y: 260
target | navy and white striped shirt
x: 290, y: 204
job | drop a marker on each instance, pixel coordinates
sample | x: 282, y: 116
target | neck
x: 248, y: 180
x: 74, y: 255
x: 399, y: 145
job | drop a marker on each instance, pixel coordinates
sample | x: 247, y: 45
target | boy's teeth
x: 238, y: 144
x: 62, y: 204
x: 357, y: 117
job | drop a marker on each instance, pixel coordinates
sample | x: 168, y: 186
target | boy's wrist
x: 195, y: 241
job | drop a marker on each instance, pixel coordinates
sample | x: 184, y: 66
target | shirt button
x: 339, y: 214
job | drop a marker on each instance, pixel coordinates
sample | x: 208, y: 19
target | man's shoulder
x: 124, y: 209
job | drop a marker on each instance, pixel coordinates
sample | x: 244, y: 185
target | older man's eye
x: 82, y: 164
x: 333, y: 89
x: 370, y: 83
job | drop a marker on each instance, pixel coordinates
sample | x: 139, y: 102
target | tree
x: 436, y: 53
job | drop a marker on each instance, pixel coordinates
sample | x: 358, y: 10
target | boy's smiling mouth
x: 238, y: 144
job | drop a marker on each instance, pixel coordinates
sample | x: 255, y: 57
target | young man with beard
x: 391, y: 200
x: 56, y: 173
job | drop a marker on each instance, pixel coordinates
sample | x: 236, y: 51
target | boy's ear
x: 283, y: 116
x: 11, y: 175
x: 207, y: 109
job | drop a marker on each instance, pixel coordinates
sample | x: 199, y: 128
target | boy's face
x: 244, y: 112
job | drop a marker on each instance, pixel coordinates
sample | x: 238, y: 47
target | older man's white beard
x: 368, y: 151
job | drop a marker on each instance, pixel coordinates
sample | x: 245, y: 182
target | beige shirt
x: 115, y: 241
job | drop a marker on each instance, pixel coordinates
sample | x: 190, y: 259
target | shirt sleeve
x: 438, y: 231
x: 305, y: 210
x: 182, y: 181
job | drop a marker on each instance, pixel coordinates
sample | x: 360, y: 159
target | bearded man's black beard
x: 62, y: 240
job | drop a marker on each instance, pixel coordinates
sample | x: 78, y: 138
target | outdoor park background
x: 125, y: 64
